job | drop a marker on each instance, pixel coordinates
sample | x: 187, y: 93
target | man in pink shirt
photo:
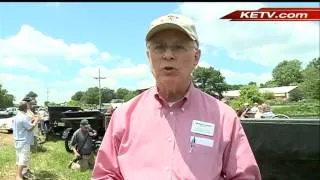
x: 174, y: 130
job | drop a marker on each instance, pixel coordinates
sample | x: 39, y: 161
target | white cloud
x: 265, y: 43
x: 24, y: 63
x: 244, y: 78
x: 19, y: 85
x: 35, y: 47
x: 204, y: 64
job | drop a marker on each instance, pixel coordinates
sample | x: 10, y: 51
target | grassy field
x: 50, y: 163
x: 298, y: 110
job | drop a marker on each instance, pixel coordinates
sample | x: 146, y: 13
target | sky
x: 56, y: 49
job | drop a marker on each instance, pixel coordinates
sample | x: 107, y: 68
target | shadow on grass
x: 45, y: 175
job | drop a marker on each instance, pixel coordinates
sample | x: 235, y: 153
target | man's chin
x: 169, y: 81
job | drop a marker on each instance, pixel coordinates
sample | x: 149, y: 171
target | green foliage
x: 248, y: 94
x: 122, y: 92
x: 77, y: 96
x: 252, y: 83
x: 209, y: 80
x: 287, y: 72
x: 74, y: 103
x: 130, y: 95
x: 32, y: 95
x: 268, y: 95
x: 311, y: 83
x: 269, y: 84
x: 6, y: 100
x: 296, y: 94
x: 234, y: 86
x: 299, y: 110
x: 251, y: 94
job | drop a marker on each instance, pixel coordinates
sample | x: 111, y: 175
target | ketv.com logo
x: 275, y: 14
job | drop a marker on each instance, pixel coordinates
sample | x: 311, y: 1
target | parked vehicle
x: 285, y: 149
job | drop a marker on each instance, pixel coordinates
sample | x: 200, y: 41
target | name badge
x: 203, y: 128
x: 202, y: 141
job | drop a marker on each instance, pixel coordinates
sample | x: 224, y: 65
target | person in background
x: 23, y: 136
x: 259, y: 113
x: 82, y: 146
x: 174, y: 130
x: 254, y: 109
x: 267, y: 113
x: 32, y: 116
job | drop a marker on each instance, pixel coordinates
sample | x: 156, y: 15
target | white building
x: 279, y: 92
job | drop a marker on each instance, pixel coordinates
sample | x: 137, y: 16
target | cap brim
x: 166, y: 26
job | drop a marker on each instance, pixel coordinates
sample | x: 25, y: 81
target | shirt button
x: 169, y: 139
x: 182, y: 109
x: 171, y: 113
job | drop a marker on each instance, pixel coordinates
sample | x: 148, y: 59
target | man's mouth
x: 169, y: 68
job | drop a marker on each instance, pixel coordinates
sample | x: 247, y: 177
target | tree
x: 252, y: 83
x: 6, y: 100
x: 234, y: 86
x: 287, y: 72
x: 296, y: 94
x: 122, y: 92
x: 130, y: 95
x: 32, y: 95
x: 91, y: 96
x: 269, y: 84
x: 209, y: 80
x: 77, y: 96
x: 311, y: 77
x: 107, y: 95
x: 248, y: 94
x: 46, y: 103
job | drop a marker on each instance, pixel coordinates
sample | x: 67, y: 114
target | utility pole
x: 47, y: 94
x: 99, y: 78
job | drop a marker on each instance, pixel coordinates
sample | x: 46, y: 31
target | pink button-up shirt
x: 148, y: 140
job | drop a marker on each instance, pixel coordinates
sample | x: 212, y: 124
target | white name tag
x: 202, y: 141
x: 201, y: 127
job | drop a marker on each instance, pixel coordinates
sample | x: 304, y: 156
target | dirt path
x: 5, y: 138
x: 8, y: 172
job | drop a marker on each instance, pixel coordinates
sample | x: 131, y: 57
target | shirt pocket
x: 200, y: 145
x: 201, y: 158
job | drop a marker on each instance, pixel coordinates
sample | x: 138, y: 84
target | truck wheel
x: 67, y: 144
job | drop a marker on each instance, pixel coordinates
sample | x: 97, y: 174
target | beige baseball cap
x: 173, y: 21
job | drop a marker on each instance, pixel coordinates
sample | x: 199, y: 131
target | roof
x: 275, y: 90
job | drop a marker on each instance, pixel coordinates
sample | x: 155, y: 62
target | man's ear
x: 197, y: 57
x: 148, y: 55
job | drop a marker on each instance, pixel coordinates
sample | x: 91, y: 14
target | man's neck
x: 173, y: 92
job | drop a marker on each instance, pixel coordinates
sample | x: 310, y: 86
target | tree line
x: 211, y: 81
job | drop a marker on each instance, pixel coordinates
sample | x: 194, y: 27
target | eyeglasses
x: 175, y: 48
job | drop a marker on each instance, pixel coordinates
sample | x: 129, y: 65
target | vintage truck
x: 66, y: 120
x: 286, y: 149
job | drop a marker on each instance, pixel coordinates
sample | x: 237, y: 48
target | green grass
x: 299, y: 110
x: 51, y: 163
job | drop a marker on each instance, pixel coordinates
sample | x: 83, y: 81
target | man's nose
x: 168, y: 54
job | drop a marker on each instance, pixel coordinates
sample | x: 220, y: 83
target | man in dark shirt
x: 82, y: 146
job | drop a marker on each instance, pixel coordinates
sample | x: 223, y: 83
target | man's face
x: 85, y: 128
x: 173, y: 56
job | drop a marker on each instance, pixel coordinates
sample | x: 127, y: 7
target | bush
x: 296, y: 95
x: 268, y: 95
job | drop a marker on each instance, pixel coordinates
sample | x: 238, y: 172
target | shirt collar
x: 183, y: 103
